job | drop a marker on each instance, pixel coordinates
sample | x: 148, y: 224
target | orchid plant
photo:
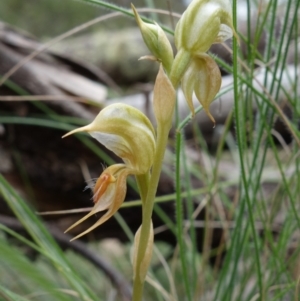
x: 129, y: 133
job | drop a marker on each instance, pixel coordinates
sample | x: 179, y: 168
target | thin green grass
x: 43, y: 239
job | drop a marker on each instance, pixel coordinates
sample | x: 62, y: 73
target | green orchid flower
x: 130, y: 135
x: 204, y: 23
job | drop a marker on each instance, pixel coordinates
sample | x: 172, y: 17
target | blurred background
x: 67, y: 84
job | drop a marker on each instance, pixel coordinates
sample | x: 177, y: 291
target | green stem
x: 180, y: 64
x: 162, y: 140
x: 179, y: 218
x: 143, y: 184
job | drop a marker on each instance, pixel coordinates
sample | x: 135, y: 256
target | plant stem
x: 179, y: 219
x: 181, y: 62
x: 162, y: 140
x: 143, y: 184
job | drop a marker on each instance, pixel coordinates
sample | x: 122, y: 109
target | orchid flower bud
x: 156, y: 41
x: 127, y: 132
x: 203, y: 23
x: 204, y: 78
x: 109, y: 194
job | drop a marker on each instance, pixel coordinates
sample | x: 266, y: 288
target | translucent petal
x: 224, y: 34
x: 115, y: 143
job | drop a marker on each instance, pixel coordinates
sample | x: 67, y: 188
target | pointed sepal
x: 127, y: 132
